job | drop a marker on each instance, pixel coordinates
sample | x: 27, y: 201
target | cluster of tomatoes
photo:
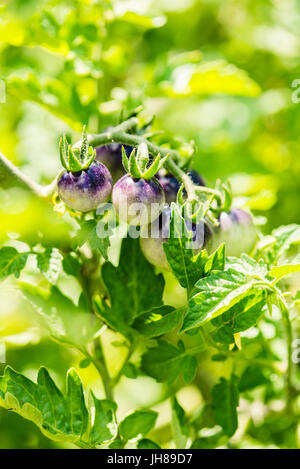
x: 87, y: 189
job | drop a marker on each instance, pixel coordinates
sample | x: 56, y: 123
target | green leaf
x: 209, y: 442
x: 73, y: 160
x: 187, y: 266
x: 158, y: 321
x: 179, y: 425
x: 248, y: 266
x: 240, y: 317
x: 165, y: 362
x: 225, y: 400
x: 12, y: 262
x: 138, y: 423
x: 88, y: 233
x: 216, y: 261
x: 228, y: 287
x: 285, y: 237
x: 50, y: 262
x: 104, y: 426
x: 221, y: 77
x: 251, y: 378
x: 133, y: 286
x: 280, y: 243
x: 189, y: 368
x: 280, y: 271
x: 145, y: 443
x: 130, y: 371
x: 208, y: 78
x: 66, y: 322
x: 71, y: 265
x: 152, y: 169
x: 63, y: 151
x: 125, y: 160
x: 133, y: 166
x: 60, y: 417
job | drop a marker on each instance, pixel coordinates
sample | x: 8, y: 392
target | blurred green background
x: 216, y: 74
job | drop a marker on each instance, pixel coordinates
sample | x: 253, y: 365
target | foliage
x: 211, y: 340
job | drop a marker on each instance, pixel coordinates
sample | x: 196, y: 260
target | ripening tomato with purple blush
x: 138, y: 201
x: 111, y: 156
x: 85, y: 190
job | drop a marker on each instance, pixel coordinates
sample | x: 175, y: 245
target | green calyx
x: 137, y: 165
x: 75, y: 159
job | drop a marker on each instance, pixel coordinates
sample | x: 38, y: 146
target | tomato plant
x: 225, y: 296
x: 149, y: 272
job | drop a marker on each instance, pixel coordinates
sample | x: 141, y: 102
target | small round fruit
x: 237, y: 231
x: 138, y: 201
x: 170, y: 184
x: 152, y: 238
x: 196, y: 178
x: 202, y: 235
x: 111, y: 156
x: 87, y: 189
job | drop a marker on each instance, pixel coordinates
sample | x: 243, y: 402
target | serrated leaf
x: 158, y: 321
x: 225, y: 400
x: 50, y: 262
x: 228, y: 288
x: 240, y: 317
x: 66, y: 322
x: 248, y: 266
x: 88, y: 232
x: 12, y: 262
x: 104, y: 426
x: 61, y: 417
x: 285, y: 236
x: 138, y: 423
x: 279, y: 244
x: 187, y: 266
x: 216, y: 261
x: 164, y: 362
x: 133, y: 286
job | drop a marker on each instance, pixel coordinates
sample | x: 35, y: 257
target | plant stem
x: 289, y: 338
x: 100, y: 365
x: 118, y: 134
x: 97, y: 358
x: 117, y: 378
x: 7, y: 168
